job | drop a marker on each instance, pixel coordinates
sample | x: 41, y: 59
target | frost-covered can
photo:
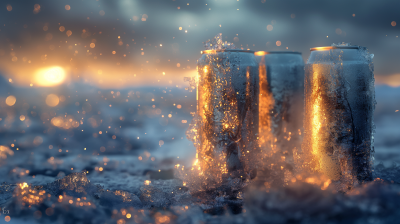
x: 339, y: 107
x: 281, y: 103
x: 227, y: 113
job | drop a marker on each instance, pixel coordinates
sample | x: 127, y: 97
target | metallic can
x: 227, y: 114
x: 280, y: 103
x: 339, y: 105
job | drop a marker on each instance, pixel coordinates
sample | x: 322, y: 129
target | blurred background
x: 86, y: 83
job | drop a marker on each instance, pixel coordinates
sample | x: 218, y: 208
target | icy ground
x: 129, y: 166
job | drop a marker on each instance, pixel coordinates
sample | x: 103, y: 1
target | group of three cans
x: 317, y: 117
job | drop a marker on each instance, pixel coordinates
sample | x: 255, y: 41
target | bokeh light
x: 10, y: 100
x: 52, y: 100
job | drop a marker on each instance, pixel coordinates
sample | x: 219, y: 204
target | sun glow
x: 51, y: 76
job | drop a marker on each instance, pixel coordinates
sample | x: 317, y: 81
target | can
x: 227, y: 114
x: 280, y: 104
x: 339, y: 105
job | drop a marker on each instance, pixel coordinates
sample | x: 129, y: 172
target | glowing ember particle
x: 10, y: 100
x: 69, y: 33
x: 270, y: 27
x: 61, y: 28
x: 102, y: 13
x: 161, y: 142
x: 92, y: 45
x: 396, y: 111
x: 393, y: 23
x: 70, y: 201
x: 50, y: 76
x: 354, y: 15
x: 100, y: 132
x: 147, y: 182
x: 114, y: 137
x: 100, y: 169
x: 140, y: 158
x: 326, y: 184
x: 67, y: 7
x: 7, y: 218
x: 178, y: 65
x: 113, y: 52
x: 179, y: 106
x: 23, y: 185
x: 169, y: 115
x: 278, y: 43
x: 22, y: 117
x: 128, y: 216
x: 65, y: 122
x: 184, y: 121
x: 36, y: 8
x: 180, y: 28
x: 160, y: 45
x: 236, y: 39
x: 9, y: 8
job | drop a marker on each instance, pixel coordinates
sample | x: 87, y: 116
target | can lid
x: 225, y: 50
x: 326, y: 48
x: 261, y: 53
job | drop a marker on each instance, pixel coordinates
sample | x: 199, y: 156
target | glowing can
x: 281, y: 103
x: 339, y: 105
x: 227, y: 113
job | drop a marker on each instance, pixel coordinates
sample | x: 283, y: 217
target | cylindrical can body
x: 281, y: 103
x: 339, y: 105
x: 227, y: 113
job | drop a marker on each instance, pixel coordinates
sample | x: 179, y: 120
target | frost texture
x: 225, y: 126
x: 340, y: 102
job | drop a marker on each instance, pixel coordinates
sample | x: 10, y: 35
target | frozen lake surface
x: 124, y: 139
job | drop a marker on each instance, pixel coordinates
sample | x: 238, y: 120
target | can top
x: 326, y: 48
x: 225, y: 50
x: 261, y: 53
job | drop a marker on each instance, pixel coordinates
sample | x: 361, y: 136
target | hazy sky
x: 117, y: 43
